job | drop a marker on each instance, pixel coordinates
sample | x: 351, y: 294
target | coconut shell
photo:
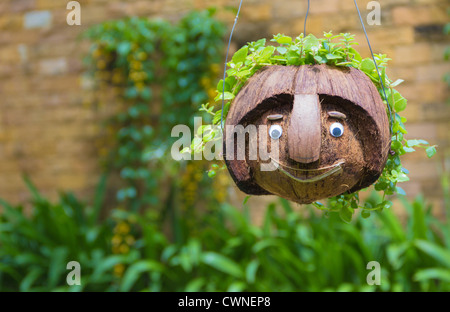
x: 311, y: 99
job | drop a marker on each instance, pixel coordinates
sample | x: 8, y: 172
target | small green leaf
x: 293, y: 58
x: 400, y: 191
x: 396, y: 83
x: 400, y: 104
x: 346, y: 214
x: 332, y: 56
x: 243, y: 73
x: 318, y: 59
x: 395, y: 145
x: 357, y: 56
x: 240, y: 55
x: 431, y: 151
x: 365, y: 214
x: 266, y: 53
x: 284, y: 40
x: 282, y: 50
x: 221, y: 84
x: 312, y: 43
x: 230, y: 81
x: 367, y: 66
x: 412, y: 143
x: 386, y: 204
x: 209, y: 136
x: 225, y: 96
x: 402, y: 177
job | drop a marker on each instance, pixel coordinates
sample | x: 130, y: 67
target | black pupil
x: 337, y: 131
x: 275, y: 133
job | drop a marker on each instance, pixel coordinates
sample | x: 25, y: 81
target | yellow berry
x: 119, y: 269
x: 123, y: 228
x: 124, y: 249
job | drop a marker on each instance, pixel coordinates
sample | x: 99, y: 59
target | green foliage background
x: 289, y: 252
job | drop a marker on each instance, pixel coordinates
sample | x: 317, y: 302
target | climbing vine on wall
x: 159, y: 73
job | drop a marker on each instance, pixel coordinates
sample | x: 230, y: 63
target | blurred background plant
x: 160, y: 73
x: 291, y: 251
x: 172, y: 228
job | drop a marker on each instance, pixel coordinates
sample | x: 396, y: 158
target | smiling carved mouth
x: 333, y: 169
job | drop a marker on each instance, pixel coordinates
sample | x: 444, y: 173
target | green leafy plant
x: 132, y: 58
x: 292, y: 253
x: 35, y: 248
x: 334, y: 50
x: 226, y: 251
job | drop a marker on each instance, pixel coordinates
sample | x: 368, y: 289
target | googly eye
x: 337, y: 129
x: 275, y: 132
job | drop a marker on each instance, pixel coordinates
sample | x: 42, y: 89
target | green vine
x: 334, y: 50
x: 159, y: 73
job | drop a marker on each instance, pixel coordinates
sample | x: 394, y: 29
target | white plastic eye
x: 337, y: 129
x: 275, y: 132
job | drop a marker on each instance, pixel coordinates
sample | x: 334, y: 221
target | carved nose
x: 304, y: 132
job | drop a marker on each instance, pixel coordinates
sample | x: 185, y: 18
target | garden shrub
x: 226, y: 252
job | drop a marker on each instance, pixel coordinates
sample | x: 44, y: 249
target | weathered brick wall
x: 46, y: 131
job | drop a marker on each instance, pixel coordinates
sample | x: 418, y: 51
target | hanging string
x: 306, y: 17
x: 304, y: 33
x: 376, y: 67
x: 226, y: 61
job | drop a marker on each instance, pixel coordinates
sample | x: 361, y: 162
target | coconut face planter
x: 329, y: 125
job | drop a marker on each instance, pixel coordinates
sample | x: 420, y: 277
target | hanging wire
x: 306, y: 17
x: 376, y: 66
x: 304, y: 33
x: 226, y: 61
x: 228, y: 50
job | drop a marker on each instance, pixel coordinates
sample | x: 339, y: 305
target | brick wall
x: 46, y: 131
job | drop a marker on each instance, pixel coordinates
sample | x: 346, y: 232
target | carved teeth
x: 336, y: 169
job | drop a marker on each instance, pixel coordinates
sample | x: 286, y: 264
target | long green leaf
x: 31, y: 278
x: 433, y: 273
x: 437, y: 252
x: 135, y: 271
x: 222, y: 263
